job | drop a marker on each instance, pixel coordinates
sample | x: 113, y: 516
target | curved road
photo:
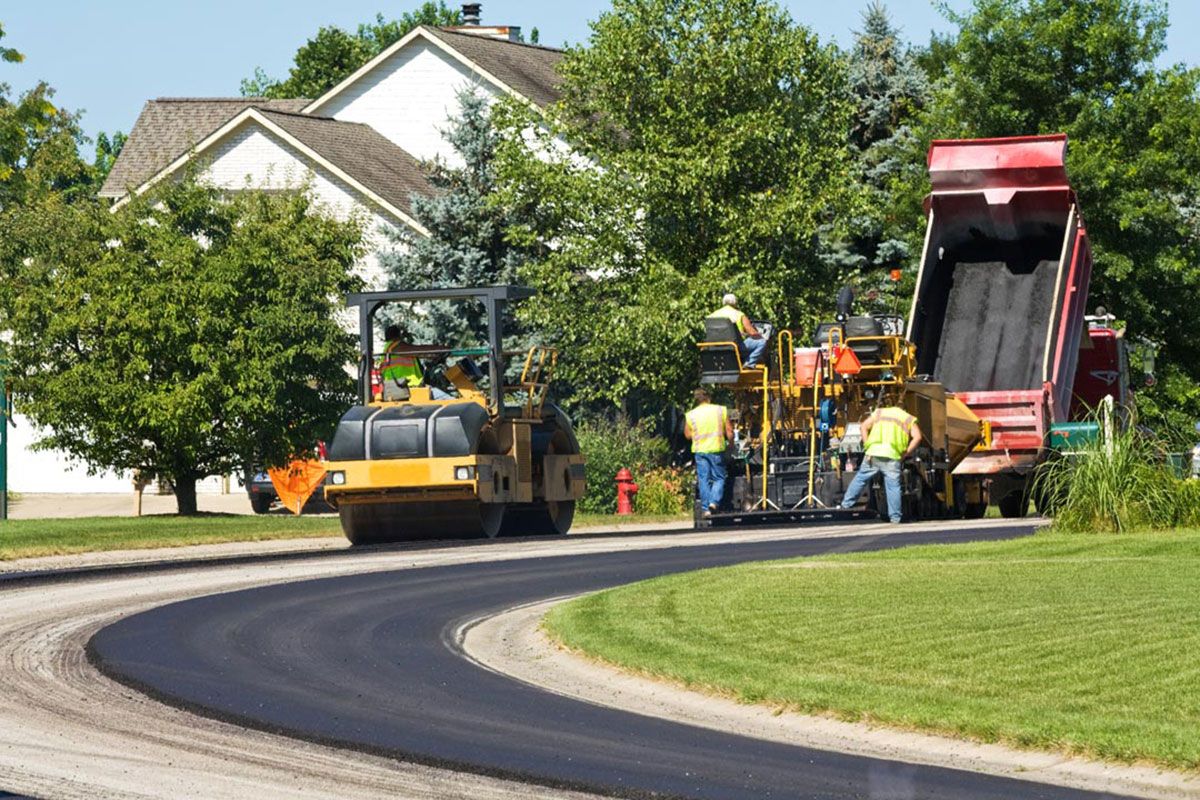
x: 367, y: 662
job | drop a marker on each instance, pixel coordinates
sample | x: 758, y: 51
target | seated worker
x: 755, y: 343
x: 400, y: 363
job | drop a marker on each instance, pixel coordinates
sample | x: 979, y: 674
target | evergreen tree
x: 890, y: 90
x: 466, y: 245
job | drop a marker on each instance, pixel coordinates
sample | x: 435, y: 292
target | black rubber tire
x: 261, y: 503
x: 974, y: 510
x: 1014, y: 505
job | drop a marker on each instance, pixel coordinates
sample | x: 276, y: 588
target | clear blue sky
x: 108, y: 58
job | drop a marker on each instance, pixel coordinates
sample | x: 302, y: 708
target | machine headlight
x: 337, y: 478
x: 464, y: 473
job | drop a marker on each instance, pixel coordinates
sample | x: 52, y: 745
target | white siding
x: 409, y: 98
x: 251, y: 157
x: 34, y: 471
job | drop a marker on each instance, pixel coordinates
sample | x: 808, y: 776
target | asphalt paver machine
x: 797, y: 439
x: 495, y: 457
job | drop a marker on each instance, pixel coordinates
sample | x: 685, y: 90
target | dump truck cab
x: 495, y: 456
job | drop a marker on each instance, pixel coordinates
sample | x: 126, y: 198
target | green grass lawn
x: 1085, y: 644
x: 24, y: 538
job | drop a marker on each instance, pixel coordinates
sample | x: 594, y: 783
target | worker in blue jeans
x: 708, y: 428
x: 890, y: 435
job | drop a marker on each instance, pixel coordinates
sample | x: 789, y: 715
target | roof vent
x: 470, y: 13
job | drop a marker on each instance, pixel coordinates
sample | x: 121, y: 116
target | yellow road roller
x: 470, y: 446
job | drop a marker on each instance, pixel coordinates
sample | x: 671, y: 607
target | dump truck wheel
x: 974, y: 510
x: 380, y: 523
x: 1014, y: 505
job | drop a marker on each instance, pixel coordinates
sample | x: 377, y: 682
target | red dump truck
x: 998, y: 311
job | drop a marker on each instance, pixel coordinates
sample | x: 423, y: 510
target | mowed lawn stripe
x: 1084, y: 644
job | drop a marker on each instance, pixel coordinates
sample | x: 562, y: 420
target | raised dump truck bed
x: 999, y: 305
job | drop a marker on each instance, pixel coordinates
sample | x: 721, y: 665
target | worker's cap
x: 730, y: 299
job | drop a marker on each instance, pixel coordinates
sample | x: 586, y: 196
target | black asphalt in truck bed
x: 368, y: 662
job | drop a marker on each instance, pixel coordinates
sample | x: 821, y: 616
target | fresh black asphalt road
x: 367, y: 662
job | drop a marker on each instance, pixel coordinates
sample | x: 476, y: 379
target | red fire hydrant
x: 626, y: 489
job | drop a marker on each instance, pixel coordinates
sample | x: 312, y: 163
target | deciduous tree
x: 698, y: 148
x: 188, y: 334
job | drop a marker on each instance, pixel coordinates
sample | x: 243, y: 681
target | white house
x: 359, y: 147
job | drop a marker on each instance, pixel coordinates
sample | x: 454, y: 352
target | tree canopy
x: 191, y: 333
x: 707, y: 146
x: 334, y: 53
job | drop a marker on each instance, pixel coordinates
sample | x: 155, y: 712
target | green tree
x: 1087, y: 67
x: 38, y: 143
x: 707, y: 146
x: 9, y: 54
x: 466, y: 245
x: 108, y: 148
x: 191, y: 333
x: 890, y: 90
x: 333, y: 54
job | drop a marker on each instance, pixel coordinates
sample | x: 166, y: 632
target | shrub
x: 609, y: 445
x: 1114, y: 486
x: 664, y: 490
x: 1187, y: 504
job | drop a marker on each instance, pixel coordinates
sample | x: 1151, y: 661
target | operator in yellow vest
x: 708, y: 427
x: 890, y: 435
x: 400, y: 364
x: 755, y: 343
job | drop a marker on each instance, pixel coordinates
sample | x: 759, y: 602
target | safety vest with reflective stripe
x: 891, y: 431
x: 736, y: 316
x: 397, y: 368
x: 708, y: 428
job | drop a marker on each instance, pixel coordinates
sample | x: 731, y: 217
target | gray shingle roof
x: 527, y: 68
x: 169, y: 126
x: 362, y: 153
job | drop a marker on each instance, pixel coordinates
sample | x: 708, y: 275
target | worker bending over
x: 400, y: 364
x: 708, y: 427
x: 754, y: 343
x: 890, y: 435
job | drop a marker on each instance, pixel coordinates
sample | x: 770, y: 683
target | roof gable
x: 525, y: 70
x: 354, y: 153
x: 170, y: 126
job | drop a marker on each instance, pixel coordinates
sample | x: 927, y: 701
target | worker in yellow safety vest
x: 708, y: 427
x: 890, y: 435
x: 754, y: 343
x: 400, y: 364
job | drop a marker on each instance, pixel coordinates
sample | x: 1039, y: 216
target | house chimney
x: 470, y: 13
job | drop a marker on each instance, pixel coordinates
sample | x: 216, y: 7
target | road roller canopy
x: 493, y: 299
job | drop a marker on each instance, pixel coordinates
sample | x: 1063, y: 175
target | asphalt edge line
x: 489, y: 642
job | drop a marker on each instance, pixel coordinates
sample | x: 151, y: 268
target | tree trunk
x: 185, y: 495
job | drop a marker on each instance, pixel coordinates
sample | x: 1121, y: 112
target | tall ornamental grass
x: 1116, y: 483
